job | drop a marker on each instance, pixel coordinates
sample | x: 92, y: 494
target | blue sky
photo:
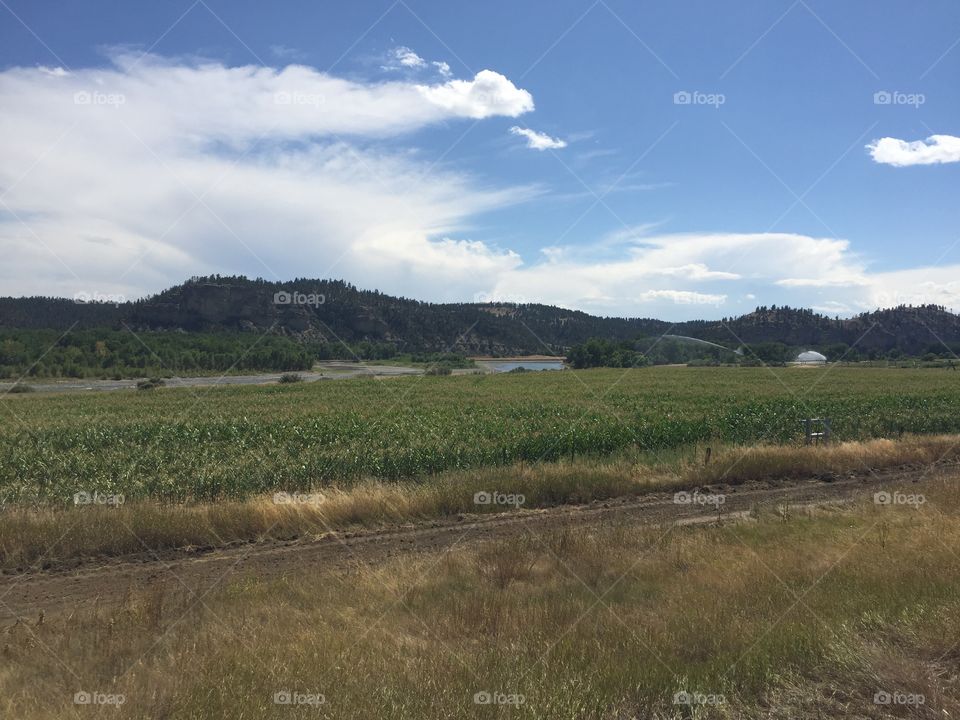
x: 538, y: 152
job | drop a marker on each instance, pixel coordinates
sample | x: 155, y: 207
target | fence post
x: 816, y: 437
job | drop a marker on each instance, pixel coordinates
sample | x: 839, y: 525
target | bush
x: 150, y: 384
x: 439, y: 370
x: 20, y: 388
x: 291, y: 378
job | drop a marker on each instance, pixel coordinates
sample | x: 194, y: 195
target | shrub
x: 20, y: 388
x: 291, y: 378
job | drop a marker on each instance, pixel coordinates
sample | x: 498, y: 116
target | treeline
x: 777, y: 353
x: 120, y: 353
x: 598, y: 352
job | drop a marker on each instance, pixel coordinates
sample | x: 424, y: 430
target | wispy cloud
x: 404, y: 57
x: 131, y: 176
x: 285, y: 52
x: 201, y: 167
x: 538, y: 140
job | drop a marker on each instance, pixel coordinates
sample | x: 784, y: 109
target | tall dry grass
x: 741, y: 464
x: 41, y: 537
x: 802, y: 617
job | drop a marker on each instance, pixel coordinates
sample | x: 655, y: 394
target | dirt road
x: 333, y: 370
x: 106, y: 583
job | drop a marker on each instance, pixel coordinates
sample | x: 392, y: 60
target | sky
x: 679, y: 160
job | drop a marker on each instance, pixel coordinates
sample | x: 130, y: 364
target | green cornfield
x: 184, y: 444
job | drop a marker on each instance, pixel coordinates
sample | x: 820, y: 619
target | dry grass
x: 807, y: 617
x: 48, y: 536
x: 735, y: 465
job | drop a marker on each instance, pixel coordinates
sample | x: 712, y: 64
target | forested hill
x: 331, y: 311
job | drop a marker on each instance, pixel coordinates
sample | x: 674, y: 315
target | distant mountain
x: 332, y: 312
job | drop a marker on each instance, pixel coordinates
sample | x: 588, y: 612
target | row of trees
x: 117, y: 353
x: 598, y: 352
x: 121, y: 353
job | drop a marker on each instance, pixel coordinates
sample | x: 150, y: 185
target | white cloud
x: 53, y: 71
x: 538, y: 140
x: 488, y: 94
x: 127, y: 178
x: 286, y: 52
x: 683, y: 297
x: 656, y: 276
x: 134, y: 176
x: 696, y: 271
x: 915, y: 286
x: 900, y: 153
x: 404, y: 57
x: 824, y: 282
x: 832, y: 308
x: 652, y: 268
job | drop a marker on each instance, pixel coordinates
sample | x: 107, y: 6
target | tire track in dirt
x: 107, y: 583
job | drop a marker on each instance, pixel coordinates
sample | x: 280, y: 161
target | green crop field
x: 234, y: 442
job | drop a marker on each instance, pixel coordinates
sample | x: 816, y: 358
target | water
x: 508, y: 365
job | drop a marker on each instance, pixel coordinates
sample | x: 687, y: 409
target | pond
x: 508, y: 365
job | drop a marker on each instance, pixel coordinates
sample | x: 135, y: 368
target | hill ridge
x: 334, y: 311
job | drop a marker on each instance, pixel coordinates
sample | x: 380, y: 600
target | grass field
x: 788, y: 614
x: 237, y: 442
x: 827, y: 613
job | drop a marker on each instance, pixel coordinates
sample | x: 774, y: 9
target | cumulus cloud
x: 724, y: 273
x: 654, y: 274
x: 936, y: 285
x: 442, y: 68
x: 408, y: 58
x: 126, y: 178
x: 488, y: 94
x: 900, y: 153
x: 538, y: 140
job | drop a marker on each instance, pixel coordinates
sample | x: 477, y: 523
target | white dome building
x: 811, y: 357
